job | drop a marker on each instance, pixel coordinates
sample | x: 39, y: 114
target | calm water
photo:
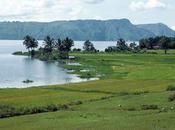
x: 15, y: 69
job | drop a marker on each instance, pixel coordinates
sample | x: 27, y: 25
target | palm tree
x: 68, y: 43
x: 65, y: 47
x: 48, y: 44
x: 30, y: 43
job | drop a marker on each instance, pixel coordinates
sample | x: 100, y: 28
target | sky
x: 137, y: 11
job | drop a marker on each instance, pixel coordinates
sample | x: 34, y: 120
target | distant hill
x: 158, y: 29
x: 96, y: 30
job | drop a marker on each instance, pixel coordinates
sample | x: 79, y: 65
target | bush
x: 123, y: 93
x: 7, y: 111
x: 131, y: 109
x: 149, y: 107
x: 140, y: 93
x: 10, y: 111
x: 171, y: 88
x: 171, y: 98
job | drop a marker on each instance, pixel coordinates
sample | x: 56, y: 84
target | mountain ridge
x: 158, y: 29
x: 95, y: 30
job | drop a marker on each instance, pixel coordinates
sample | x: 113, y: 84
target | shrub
x: 7, y: 111
x: 149, y: 107
x: 131, y: 109
x: 52, y: 107
x: 140, y: 93
x: 171, y: 98
x: 123, y: 93
x: 75, y: 103
x: 10, y: 111
x: 171, y: 88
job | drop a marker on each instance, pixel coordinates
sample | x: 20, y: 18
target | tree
x: 165, y: 43
x: 64, y: 47
x: 111, y: 49
x: 30, y: 43
x: 133, y: 45
x: 121, y: 45
x: 68, y: 43
x: 89, y: 47
x: 76, y: 50
x: 48, y: 44
x: 151, y: 42
x: 144, y: 43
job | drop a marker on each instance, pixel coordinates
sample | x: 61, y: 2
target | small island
x: 27, y: 81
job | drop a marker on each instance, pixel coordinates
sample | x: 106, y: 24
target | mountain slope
x: 96, y: 30
x: 158, y: 29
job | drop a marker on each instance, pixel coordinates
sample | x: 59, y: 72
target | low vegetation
x: 172, y: 98
x: 159, y: 42
x: 135, y: 90
x: 171, y: 88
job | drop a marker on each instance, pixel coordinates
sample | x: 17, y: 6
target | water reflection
x: 16, y: 69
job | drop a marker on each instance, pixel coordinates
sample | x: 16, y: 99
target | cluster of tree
x: 87, y: 47
x: 122, y: 46
x: 159, y: 42
x: 52, y: 48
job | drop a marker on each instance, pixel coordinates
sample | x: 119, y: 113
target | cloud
x: 173, y: 27
x: 146, y: 5
x: 45, y: 10
x: 94, y: 1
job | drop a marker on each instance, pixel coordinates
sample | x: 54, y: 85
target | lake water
x: 15, y: 69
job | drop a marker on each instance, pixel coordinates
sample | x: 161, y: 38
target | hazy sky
x: 138, y: 11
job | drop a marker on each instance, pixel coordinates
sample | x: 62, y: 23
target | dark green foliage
x: 64, y: 47
x: 171, y: 88
x: 52, y: 50
x: 123, y: 47
x: 76, y: 50
x: 164, y: 41
x: 133, y: 45
x: 7, y: 111
x: 10, y: 111
x: 159, y: 42
x: 149, y: 107
x: 89, y: 47
x: 171, y: 98
x: 30, y: 44
x: 48, y: 44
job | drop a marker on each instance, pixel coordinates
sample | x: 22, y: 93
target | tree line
x: 152, y: 43
x: 52, y: 49
x: 60, y: 48
x: 122, y: 46
x: 159, y: 42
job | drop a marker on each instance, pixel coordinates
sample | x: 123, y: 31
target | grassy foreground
x: 131, y: 95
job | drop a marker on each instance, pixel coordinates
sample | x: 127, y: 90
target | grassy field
x: 130, y: 95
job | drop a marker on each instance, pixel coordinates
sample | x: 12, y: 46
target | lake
x: 15, y: 69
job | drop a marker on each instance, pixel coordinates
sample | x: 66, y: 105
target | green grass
x: 127, y: 82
